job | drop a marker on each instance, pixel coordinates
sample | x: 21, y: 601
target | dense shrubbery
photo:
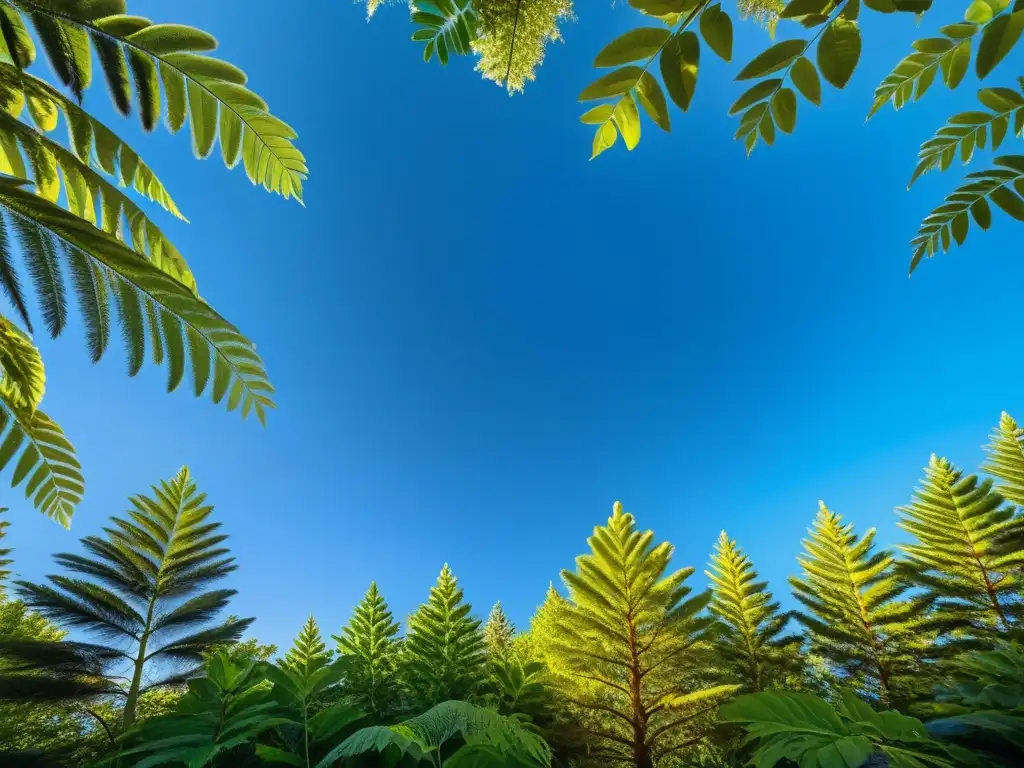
x: 909, y: 653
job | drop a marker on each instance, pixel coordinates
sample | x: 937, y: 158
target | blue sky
x: 481, y: 340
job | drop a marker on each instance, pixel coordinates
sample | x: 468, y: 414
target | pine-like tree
x: 443, y: 654
x: 499, y: 633
x: 1005, y: 451
x: 5, y: 559
x: 139, y: 587
x: 628, y: 646
x: 753, y: 645
x: 308, y: 652
x: 854, y: 611
x: 369, y: 642
x: 969, y: 553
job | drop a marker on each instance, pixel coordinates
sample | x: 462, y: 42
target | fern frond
x: 308, y: 653
x: 447, y: 27
x: 369, y: 642
x: 950, y: 222
x: 21, y: 365
x: 1005, y: 462
x: 238, y: 370
x: 208, y: 93
x: 46, y: 464
x: 5, y: 559
x: 972, y: 130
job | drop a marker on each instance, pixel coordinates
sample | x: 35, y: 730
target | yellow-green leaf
x: 613, y: 84
x: 805, y: 78
x: 604, y: 138
x: 627, y: 120
x: 652, y: 99
x: 784, y: 110
x: 599, y: 114
x: 839, y: 51
x: 636, y: 44
x: 775, y: 58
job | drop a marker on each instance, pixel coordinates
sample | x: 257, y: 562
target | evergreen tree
x: 1005, y: 451
x: 443, y: 654
x: 752, y: 645
x: 369, y: 642
x: 5, y: 560
x: 499, y: 633
x: 968, y: 555
x: 629, y: 645
x: 854, y: 612
x: 308, y: 653
x: 140, y: 587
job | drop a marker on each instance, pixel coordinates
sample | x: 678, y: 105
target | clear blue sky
x: 480, y: 340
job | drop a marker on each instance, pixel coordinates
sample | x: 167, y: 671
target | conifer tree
x: 854, y: 611
x: 369, y: 642
x: 498, y: 634
x: 5, y: 559
x: 444, y: 654
x: 752, y: 645
x: 308, y: 652
x: 968, y: 554
x: 628, y: 646
x: 1005, y: 451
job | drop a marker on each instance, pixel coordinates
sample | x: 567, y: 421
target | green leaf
x: 599, y: 114
x: 775, y: 58
x: 604, y: 138
x: 997, y: 40
x: 839, y: 51
x: 659, y: 7
x: 756, y: 93
x: 636, y: 44
x: 796, y: 9
x: 680, y: 59
x: 784, y: 110
x: 613, y: 84
x: 716, y: 29
x: 652, y: 99
x: 979, y: 12
x: 955, y: 66
x: 627, y: 120
x: 805, y: 78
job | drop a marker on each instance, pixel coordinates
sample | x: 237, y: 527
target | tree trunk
x: 641, y: 753
x: 132, y: 701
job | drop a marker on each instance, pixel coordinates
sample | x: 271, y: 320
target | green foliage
x: 1005, y: 451
x: 513, y: 35
x: 752, y: 644
x: 368, y: 642
x: 5, y: 560
x: 141, y: 587
x: 853, y: 608
x: 622, y: 642
x: 499, y: 633
x: 519, y: 687
x: 968, y: 553
x: 443, y: 656
x: 445, y: 26
x: 809, y: 732
x: 983, y: 705
x: 490, y: 740
x: 308, y: 653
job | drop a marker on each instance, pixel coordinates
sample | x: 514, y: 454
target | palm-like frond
x: 445, y: 27
x: 46, y: 461
x: 45, y: 670
x: 969, y: 549
x: 106, y: 272
x: 1005, y: 462
x: 21, y: 365
x: 208, y: 93
x: 139, y: 584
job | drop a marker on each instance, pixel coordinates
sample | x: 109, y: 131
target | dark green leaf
x: 679, y: 63
x: 716, y: 29
x: 839, y: 52
x: 805, y: 78
x: 775, y: 58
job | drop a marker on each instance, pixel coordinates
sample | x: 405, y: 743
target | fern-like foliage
x: 968, y: 553
x: 633, y: 629
x: 1005, y: 462
x: 369, y: 644
x: 753, y: 644
x: 490, y: 739
x: 5, y: 559
x: 519, y: 688
x: 141, y: 586
x: 499, y: 633
x: 854, y: 613
x: 513, y: 35
x: 21, y: 366
x: 443, y: 654
x: 308, y: 653
x: 154, y: 310
x: 446, y: 27
x: 137, y: 57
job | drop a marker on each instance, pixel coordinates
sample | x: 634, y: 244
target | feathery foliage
x: 443, y: 656
x: 513, y: 36
x: 5, y: 559
x: 491, y: 740
x: 753, y: 645
x: 853, y: 608
x: 968, y: 553
x: 1005, y: 451
x: 627, y: 629
x: 498, y: 633
x: 368, y: 643
x: 308, y: 653
x: 140, y: 586
x: 446, y: 27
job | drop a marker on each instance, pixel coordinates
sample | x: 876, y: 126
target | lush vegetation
x: 823, y: 42
x: 908, y: 655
